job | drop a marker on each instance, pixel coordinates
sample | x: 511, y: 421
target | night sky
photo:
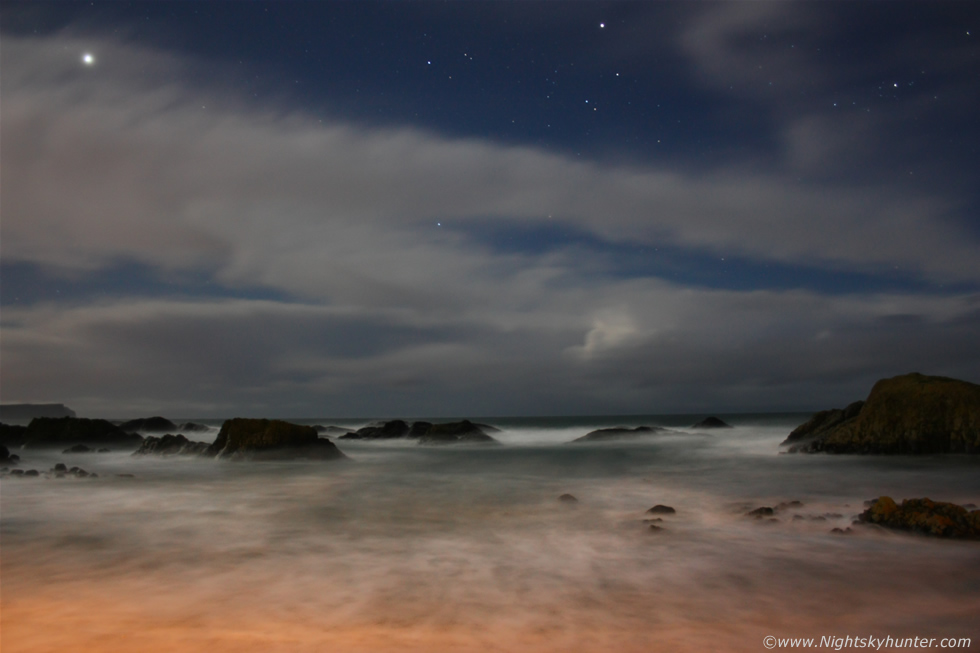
x: 476, y: 209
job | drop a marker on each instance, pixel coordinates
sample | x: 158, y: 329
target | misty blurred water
x: 473, y: 541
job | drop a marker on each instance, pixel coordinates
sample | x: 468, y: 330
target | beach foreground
x: 408, y: 548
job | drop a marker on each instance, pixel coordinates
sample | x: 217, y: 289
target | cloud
x: 384, y: 309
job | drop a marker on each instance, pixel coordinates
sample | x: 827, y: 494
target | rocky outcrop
x: 11, y: 435
x: 149, y: 425
x: 7, y: 458
x: 193, y: 427
x: 463, y: 431
x: 910, y: 414
x: 924, y: 516
x: 711, y: 423
x: 265, y: 439
x: 58, y: 432
x: 823, y: 423
x: 336, y: 431
x: 620, y: 433
x: 456, y: 433
x: 30, y: 411
x: 171, y: 445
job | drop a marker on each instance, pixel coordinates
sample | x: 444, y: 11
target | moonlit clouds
x: 383, y: 311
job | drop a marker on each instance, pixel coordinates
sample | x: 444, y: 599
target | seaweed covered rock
x: 909, y: 414
x: 149, y: 425
x: 170, y: 445
x: 711, y: 423
x: 455, y: 432
x: 924, y: 516
x: 620, y: 433
x: 61, y: 431
x: 266, y: 439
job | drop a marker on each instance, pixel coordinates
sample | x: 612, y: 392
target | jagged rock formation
x: 58, y: 432
x: 711, y: 423
x: 265, y: 439
x: 909, y: 414
x: 170, y: 445
x: 924, y: 516
x: 30, y: 411
x: 620, y: 433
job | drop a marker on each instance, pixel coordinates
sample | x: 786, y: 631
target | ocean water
x: 467, y: 548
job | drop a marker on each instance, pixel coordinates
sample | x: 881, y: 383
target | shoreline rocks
x: 924, y: 516
x: 171, y: 445
x: 61, y: 431
x: 913, y: 414
x: 265, y: 439
x: 155, y: 424
x: 427, y: 433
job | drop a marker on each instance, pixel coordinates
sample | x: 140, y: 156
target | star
x: 88, y: 59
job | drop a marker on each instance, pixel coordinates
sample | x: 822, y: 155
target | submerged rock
x: 149, y: 425
x: 924, y: 516
x: 455, y: 432
x: 568, y: 498
x: 171, y: 445
x: 910, y: 414
x: 395, y: 428
x: 620, y: 433
x: 711, y: 423
x: 57, y: 432
x: 265, y: 439
x: 759, y: 513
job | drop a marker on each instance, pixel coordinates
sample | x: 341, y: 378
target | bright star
x: 88, y: 59
x: 602, y: 26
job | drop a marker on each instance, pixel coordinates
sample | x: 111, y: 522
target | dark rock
x: 7, y: 458
x: 456, y: 433
x: 758, y: 513
x: 16, y: 472
x: 620, y: 433
x: 149, y: 425
x: 568, y: 498
x: 842, y: 531
x: 52, y: 432
x: 125, y: 476
x: 654, y: 520
x: 32, y: 472
x: 924, y: 516
x: 264, y: 439
x: 711, y: 423
x: 419, y: 429
x: 30, y: 411
x: 104, y: 450
x: 910, y: 414
x: 169, y: 444
x: 661, y: 509
x: 60, y: 467
x: 193, y: 427
x: 78, y: 448
x: 395, y: 428
x: 654, y: 527
x: 12, y: 435
x: 823, y: 423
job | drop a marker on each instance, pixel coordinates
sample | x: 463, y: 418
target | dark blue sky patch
x: 592, y: 255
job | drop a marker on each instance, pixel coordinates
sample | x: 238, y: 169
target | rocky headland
x: 909, y: 414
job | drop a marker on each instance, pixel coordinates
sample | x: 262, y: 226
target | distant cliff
x: 909, y: 414
x: 30, y: 411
